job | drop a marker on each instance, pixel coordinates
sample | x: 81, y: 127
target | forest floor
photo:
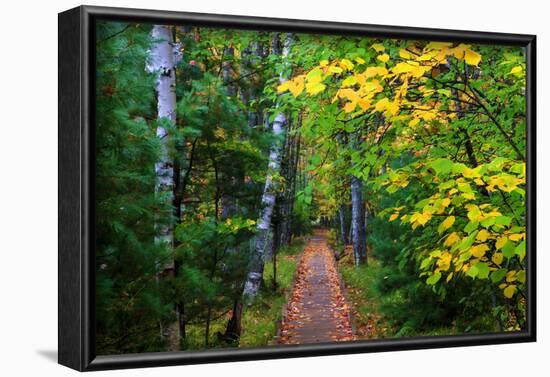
x: 317, y: 310
x: 367, y: 320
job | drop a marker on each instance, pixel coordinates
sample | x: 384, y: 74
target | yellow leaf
x: 283, y: 87
x: 478, y: 251
x: 445, y: 203
x: 474, y: 213
x: 382, y: 104
x: 364, y: 104
x: 383, y: 58
x: 438, y: 45
x: 444, y: 261
x: 405, y: 67
x: 469, y: 196
x: 448, y: 222
x: 315, y: 75
x: 427, y: 56
x: 349, y: 81
x: 482, y: 235
x: 497, y: 258
x: 378, y: 47
x: 414, y: 122
x: 314, y: 88
x: 405, y: 54
x: 449, y: 277
x: 472, y: 57
x: 452, y: 239
x: 510, y: 276
x: 359, y: 60
x: 346, y: 64
x: 220, y: 133
x: 516, y: 237
x: 423, y: 218
x: 394, y: 216
x: 419, y: 71
x: 509, y: 291
x: 297, y: 89
x: 361, y: 79
x: 296, y: 86
x: 459, y: 51
x: 429, y: 115
x: 335, y: 69
x: 375, y: 71
x: 323, y: 63
x: 350, y: 106
x: 371, y: 86
x: 501, y: 242
x: 393, y: 108
x: 516, y: 70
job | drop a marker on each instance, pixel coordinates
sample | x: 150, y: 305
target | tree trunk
x: 233, y: 329
x: 350, y: 234
x: 358, y: 221
x: 161, y: 62
x: 343, y: 230
x: 255, y: 272
x: 295, y: 160
x: 358, y: 213
x: 248, y: 89
x: 287, y: 197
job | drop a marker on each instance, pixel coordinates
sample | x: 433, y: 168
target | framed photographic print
x: 238, y: 188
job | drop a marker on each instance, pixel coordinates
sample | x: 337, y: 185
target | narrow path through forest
x: 317, y: 310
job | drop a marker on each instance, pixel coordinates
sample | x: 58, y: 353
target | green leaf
x: 509, y: 249
x: 474, y: 214
x: 498, y: 275
x: 471, y: 226
x: 442, y: 166
x: 520, y: 250
x: 432, y: 280
x: 468, y: 241
x: 425, y: 263
x: 488, y: 222
x: 482, y: 270
x: 473, y: 271
x: 503, y: 220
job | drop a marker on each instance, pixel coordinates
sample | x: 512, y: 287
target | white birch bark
x: 254, y: 276
x: 162, y: 62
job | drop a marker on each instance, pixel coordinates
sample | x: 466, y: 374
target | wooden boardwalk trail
x: 317, y: 310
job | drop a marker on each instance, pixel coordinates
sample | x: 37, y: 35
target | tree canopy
x: 218, y: 150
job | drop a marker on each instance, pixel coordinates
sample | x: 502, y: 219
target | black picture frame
x: 76, y: 188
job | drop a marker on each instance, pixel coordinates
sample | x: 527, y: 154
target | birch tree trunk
x: 255, y: 272
x: 161, y: 62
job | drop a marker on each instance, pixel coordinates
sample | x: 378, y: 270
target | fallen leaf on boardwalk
x: 316, y: 273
